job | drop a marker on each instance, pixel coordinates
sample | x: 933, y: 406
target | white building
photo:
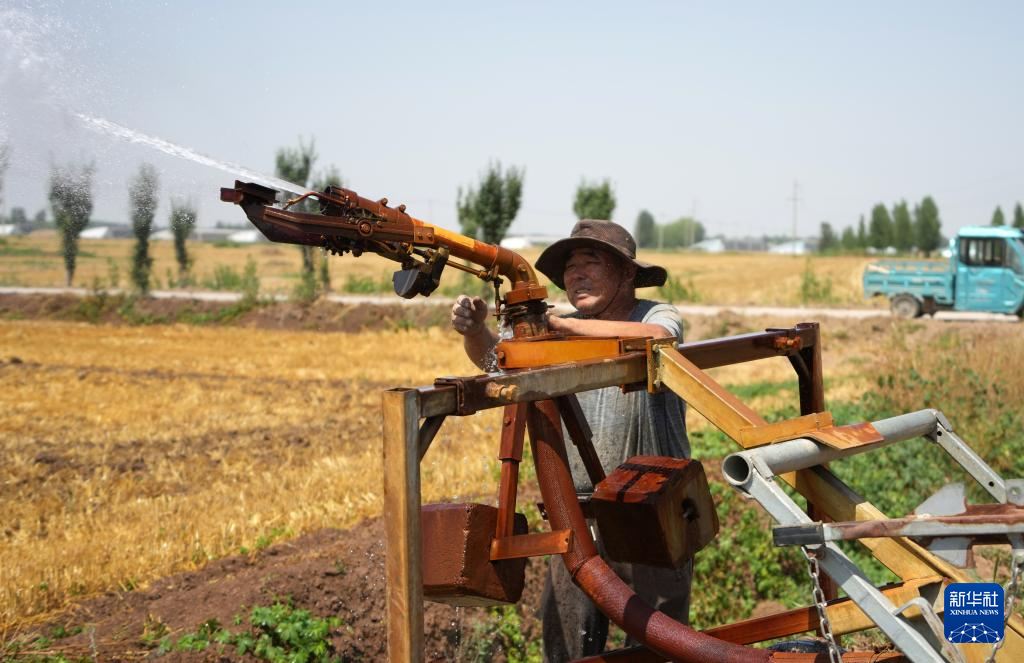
x: 246, y: 237
x: 519, y: 242
x: 106, y: 232
x: 798, y: 247
x: 712, y: 245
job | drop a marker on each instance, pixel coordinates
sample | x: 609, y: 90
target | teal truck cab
x: 985, y: 272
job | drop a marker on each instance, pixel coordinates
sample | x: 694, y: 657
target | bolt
x: 502, y: 392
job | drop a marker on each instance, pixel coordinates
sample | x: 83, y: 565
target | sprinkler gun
x: 349, y: 223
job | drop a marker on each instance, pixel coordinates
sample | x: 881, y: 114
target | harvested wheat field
x: 158, y: 477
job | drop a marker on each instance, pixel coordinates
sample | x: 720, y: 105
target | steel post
x: 402, y: 564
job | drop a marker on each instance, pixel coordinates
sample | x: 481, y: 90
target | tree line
x: 71, y: 201
x: 998, y: 219
x: 901, y: 228
x: 486, y: 210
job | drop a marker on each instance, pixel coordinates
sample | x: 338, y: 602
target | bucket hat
x: 597, y: 234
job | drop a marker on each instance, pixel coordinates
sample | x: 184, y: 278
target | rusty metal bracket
x: 428, y: 430
x: 461, y: 408
x: 531, y: 545
x: 510, y: 454
x: 581, y: 436
x: 653, y: 349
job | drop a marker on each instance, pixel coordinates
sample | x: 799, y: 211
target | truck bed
x: 921, y: 278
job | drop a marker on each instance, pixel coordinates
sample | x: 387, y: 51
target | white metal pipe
x: 802, y: 453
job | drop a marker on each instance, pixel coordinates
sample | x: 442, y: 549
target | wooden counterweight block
x: 655, y: 510
x: 457, y: 566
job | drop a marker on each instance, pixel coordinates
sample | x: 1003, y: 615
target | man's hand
x: 469, y: 315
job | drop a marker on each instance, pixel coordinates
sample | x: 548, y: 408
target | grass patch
x: 751, y: 390
x: 365, y: 285
x: 9, y: 249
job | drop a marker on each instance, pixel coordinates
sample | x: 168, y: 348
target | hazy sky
x: 712, y: 107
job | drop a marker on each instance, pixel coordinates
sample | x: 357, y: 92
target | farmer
x: 597, y: 267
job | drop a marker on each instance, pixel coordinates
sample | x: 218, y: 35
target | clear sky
x: 709, y: 107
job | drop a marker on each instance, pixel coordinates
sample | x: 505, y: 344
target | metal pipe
x: 612, y: 596
x: 802, y: 453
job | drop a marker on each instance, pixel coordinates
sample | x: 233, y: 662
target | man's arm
x: 469, y: 318
x: 585, y: 327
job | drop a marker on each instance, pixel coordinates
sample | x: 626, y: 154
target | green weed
x: 278, y: 633
x: 814, y: 290
x: 274, y: 534
x: 226, y: 278
x: 675, y: 290
x: 365, y: 285
x: 502, y: 631
x: 8, y: 249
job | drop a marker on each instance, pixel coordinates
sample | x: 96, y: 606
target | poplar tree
x: 70, y: 197
x: 487, y: 210
x: 927, y: 226
x: 828, y: 242
x: 880, y: 228
x: 998, y: 219
x: 849, y: 240
x: 902, y: 227
x: 183, y: 220
x: 328, y: 177
x: 142, y: 200
x: 646, y: 232
x: 295, y: 164
x: 1018, y: 216
x: 594, y: 200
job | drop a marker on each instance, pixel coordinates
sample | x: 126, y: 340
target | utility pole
x: 795, y: 199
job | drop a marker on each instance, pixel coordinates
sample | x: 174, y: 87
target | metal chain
x: 834, y: 653
x: 1010, y: 598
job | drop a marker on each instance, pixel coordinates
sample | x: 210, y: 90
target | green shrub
x: 675, y: 290
x: 813, y: 290
x: 363, y: 285
x: 307, y: 289
x: 113, y: 273
x: 250, y: 282
x: 224, y: 278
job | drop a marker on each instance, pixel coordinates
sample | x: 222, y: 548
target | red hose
x: 613, y: 597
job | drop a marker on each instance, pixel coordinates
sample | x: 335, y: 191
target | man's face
x: 592, y: 279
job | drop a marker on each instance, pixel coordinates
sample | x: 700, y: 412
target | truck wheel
x: 905, y: 306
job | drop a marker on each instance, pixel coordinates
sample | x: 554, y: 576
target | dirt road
x: 559, y: 305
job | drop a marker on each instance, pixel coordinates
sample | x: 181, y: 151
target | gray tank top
x: 637, y: 423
